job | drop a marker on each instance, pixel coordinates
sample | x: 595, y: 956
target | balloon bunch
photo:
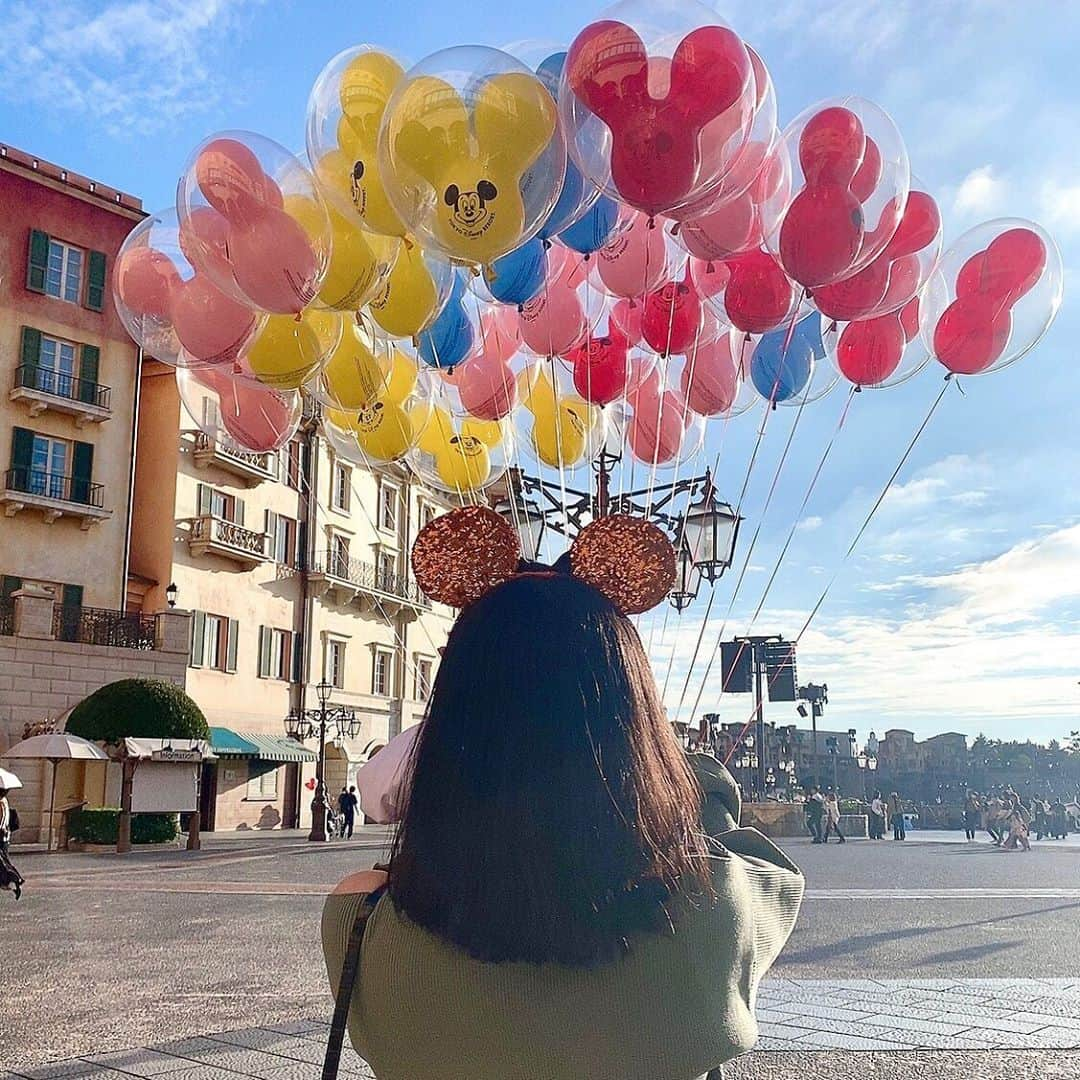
x: 551, y: 249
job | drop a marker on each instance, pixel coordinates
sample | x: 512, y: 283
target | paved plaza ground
x: 931, y: 950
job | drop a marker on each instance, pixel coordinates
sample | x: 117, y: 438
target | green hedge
x: 99, y: 826
x: 142, y: 708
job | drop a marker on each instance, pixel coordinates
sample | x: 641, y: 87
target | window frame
x: 425, y: 664
x: 66, y: 252
x: 215, y: 645
x: 379, y: 653
x: 389, y: 500
x: 341, y: 496
x: 335, y: 662
x: 259, y: 783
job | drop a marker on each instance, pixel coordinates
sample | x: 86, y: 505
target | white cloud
x: 809, y: 524
x: 980, y: 192
x: 133, y: 66
x: 1059, y: 202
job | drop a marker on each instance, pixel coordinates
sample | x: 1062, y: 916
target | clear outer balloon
x: 557, y: 319
x: 879, y: 352
x: 460, y: 454
x: 750, y: 291
x: 714, y: 377
x: 662, y: 431
x: 741, y: 222
x: 344, y: 114
x: 639, y: 256
x: 285, y: 354
x: 760, y: 142
x: 487, y: 380
x: 657, y: 100
x: 356, y: 369
x: 471, y: 153
x: 256, y: 418
x: 993, y: 296
x: 413, y: 295
x: 672, y: 316
x: 233, y: 200
x: 175, y: 314
x: 389, y: 422
x: 898, y: 274
x: 850, y: 179
x: 556, y: 425
x: 788, y: 366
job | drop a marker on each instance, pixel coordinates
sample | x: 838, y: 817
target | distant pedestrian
x: 1017, y: 823
x: 896, y: 817
x: 815, y: 814
x: 832, y: 818
x: 877, y: 817
x: 1040, y: 816
x: 971, y: 815
x: 10, y: 878
x: 350, y: 812
x: 1059, y: 820
x: 995, y: 815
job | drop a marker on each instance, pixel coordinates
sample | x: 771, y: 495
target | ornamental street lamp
x: 704, y: 531
x: 171, y: 594
x: 302, y: 724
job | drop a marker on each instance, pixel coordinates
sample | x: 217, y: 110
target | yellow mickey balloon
x: 560, y: 426
x: 284, y: 354
x: 459, y: 166
x: 462, y: 454
x: 355, y: 375
x: 328, y: 326
x: 409, y: 298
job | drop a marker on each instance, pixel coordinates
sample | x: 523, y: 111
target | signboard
x: 169, y: 754
x: 736, y: 666
x: 164, y: 787
x: 780, y: 670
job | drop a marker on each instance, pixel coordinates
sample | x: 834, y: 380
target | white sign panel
x: 164, y: 787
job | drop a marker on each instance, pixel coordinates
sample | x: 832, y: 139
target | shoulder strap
x: 350, y: 969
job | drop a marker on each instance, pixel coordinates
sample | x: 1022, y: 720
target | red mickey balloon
x: 759, y: 296
x: 655, y: 141
x: 671, y: 320
x: 870, y: 350
x: 601, y: 367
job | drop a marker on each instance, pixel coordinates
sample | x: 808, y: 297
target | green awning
x: 223, y: 741
x: 228, y: 743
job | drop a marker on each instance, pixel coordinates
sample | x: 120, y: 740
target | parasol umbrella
x: 56, y: 746
x: 9, y: 781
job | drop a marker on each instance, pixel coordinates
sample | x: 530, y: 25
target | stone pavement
x: 1011, y: 1028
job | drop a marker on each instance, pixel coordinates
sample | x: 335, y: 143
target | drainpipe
x: 122, y: 606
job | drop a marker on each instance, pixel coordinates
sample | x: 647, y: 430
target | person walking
x: 896, y: 817
x: 10, y: 878
x: 1017, y: 823
x: 1059, y: 820
x: 348, y: 810
x: 877, y: 817
x: 971, y: 815
x: 832, y: 818
x: 995, y: 809
x: 815, y: 815
x: 570, y: 918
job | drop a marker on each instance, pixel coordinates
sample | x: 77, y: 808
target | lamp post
x: 817, y: 697
x: 704, y: 531
x: 301, y: 724
x: 171, y: 593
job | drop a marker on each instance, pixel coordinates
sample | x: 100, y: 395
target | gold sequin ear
x: 464, y: 554
x: 628, y: 559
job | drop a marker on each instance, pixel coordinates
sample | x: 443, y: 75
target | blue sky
x: 960, y: 609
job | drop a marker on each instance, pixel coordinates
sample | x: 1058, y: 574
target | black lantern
x: 710, y: 529
x: 171, y: 594
x: 687, y: 580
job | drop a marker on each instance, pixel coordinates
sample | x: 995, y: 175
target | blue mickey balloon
x: 591, y: 231
x: 518, y: 276
x: 449, y: 339
x: 782, y: 373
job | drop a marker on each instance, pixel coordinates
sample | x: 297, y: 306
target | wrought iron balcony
x: 42, y: 388
x: 220, y: 450
x: 215, y: 536
x: 7, y: 616
x: 353, y: 577
x: 55, y: 495
x: 101, y: 626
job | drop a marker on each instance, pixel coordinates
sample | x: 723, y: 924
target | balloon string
x: 746, y: 560
x: 847, y: 554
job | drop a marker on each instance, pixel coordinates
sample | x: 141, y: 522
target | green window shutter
x: 82, y: 468
x: 301, y: 546
x: 198, y: 638
x: 72, y: 596
x: 9, y: 584
x: 89, y: 362
x: 31, y: 354
x: 37, y: 261
x: 95, y: 281
x: 203, y: 500
x: 238, y: 512
x: 22, y: 454
x: 270, y: 529
x: 297, y: 658
x: 264, y: 652
x: 230, y: 645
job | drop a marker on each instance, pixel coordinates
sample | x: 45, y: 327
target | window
x: 275, y: 653
x: 214, y: 641
x: 428, y: 514
x: 423, y: 678
x: 342, y: 486
x: 211, y: 415
x: 335, y: 664
x: 48, y: 466
x: 382, y: 673
x: 56, y: 367
x: 388, y: 504
x: 262, y: 780
x: 387, y: 567
x: 282, y: 532
x: 294, y: 465
x: 220, y: 504
x: 339, y: 556
x: 63, y: 275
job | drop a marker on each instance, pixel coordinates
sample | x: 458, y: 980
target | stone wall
x: 42, y: 679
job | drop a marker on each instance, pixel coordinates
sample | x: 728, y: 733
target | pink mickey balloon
x: 711, y: 377
x: 656, y: 429
x: 204, y: 240
x: 554, y: 321
x: 634, y: 260
x: 211, y: 326
x: 146, y: 280
x: 274, y: 264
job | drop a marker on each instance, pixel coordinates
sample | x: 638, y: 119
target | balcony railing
x: 7, y: 616
x: 228, y: 454
x: 61, y: 385
x: 221, y: 537
x: 100, y: 626
x: 49, y: 485
x: 367, y: 576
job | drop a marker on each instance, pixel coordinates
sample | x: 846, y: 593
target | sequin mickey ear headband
x: 466, y: 553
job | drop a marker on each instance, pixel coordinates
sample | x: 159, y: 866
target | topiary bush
x: 99, y: 826
x: 140, y: 708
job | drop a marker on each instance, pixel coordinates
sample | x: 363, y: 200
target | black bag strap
x: 349, y: 971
